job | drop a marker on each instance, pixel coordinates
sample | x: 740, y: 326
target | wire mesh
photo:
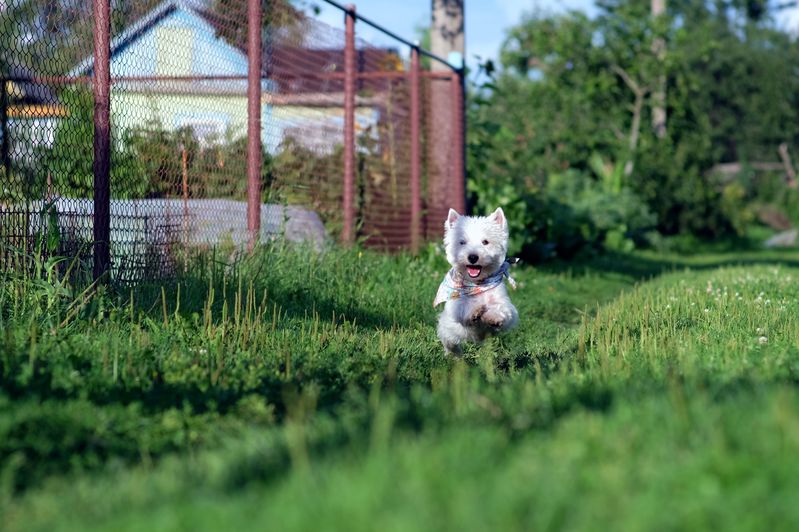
x: 442, y: 147
x: 179, y: 120
x: 35, y: 122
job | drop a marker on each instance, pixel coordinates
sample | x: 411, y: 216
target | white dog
x: 477, y: 302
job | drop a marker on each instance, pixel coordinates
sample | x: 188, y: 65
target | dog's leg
x: 452, y: 334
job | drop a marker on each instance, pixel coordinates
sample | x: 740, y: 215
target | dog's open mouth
x: 474, y: 271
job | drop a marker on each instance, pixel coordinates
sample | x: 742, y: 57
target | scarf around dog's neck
x: 454, y: 286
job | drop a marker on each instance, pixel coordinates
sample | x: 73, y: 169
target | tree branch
x: 635, y: 127
x: 629, y: 81
x: 787, y: 164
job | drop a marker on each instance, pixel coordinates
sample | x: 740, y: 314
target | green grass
x: 297, y: 391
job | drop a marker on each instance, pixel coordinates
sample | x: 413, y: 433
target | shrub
x: 573, y: 212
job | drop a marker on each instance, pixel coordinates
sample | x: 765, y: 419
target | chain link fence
x: 316, y: 135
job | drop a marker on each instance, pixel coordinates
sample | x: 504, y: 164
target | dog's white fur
x: 472, y: 318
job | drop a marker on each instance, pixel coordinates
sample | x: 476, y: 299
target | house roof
x: 293, y: 67
x: 176, y: 48
x: 136, y: 30
x: 22, y: 90
x: 217, y: 23
x: 283, y: 59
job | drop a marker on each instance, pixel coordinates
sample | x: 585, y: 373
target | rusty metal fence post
x: 254, y: 120
x: 415, y: 153
x: 458, y: 181
x: 101, y: 85
x: 348, y: 200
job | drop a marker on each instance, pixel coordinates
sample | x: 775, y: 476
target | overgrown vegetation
x: 576, y: 97
x: 300, y: 389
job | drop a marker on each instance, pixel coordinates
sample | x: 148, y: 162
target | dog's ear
x: 452, y: 217
x: 498, y: 217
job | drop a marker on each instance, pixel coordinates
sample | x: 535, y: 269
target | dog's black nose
x: 473, y: 258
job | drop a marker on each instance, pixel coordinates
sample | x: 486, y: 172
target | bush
x: 146, y: 161
x: 69, y: 161
x: 572, y: 213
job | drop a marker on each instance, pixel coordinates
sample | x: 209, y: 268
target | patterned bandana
x: 454, y: 286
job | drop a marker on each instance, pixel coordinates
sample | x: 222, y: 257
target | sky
x: 486, y: 20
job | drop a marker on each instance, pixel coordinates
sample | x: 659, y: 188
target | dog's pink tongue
x: 473, y: 271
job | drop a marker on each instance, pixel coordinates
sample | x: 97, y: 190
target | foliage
x: 316, y: 381
x: 146, y: 161
x: 571, y: 213
x: 58, y: 34
x: 152, y: 161
x: 69, y: 161
x: 571, y: 87
x: 303, y: 177
x: 212, y: 166
x: 279, y: 17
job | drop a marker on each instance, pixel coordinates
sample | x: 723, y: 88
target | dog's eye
x: 463, y: 242
x: 485, y: 242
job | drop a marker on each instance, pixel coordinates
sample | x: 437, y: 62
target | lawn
x: 293, y: 390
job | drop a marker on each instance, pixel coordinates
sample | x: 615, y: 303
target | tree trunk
x: 659, y: 92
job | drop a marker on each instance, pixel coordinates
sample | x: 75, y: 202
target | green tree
x: 50, y: 37
x: 569, y: 87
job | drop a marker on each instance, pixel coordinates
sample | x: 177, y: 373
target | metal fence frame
x: 101, y: 86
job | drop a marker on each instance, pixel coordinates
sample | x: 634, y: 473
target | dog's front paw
x: 495, y: 319
x: 478, y: 314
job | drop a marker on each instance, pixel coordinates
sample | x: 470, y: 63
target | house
x: 171, y: 69
x: 174, y: 69
x: 29, y: 112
